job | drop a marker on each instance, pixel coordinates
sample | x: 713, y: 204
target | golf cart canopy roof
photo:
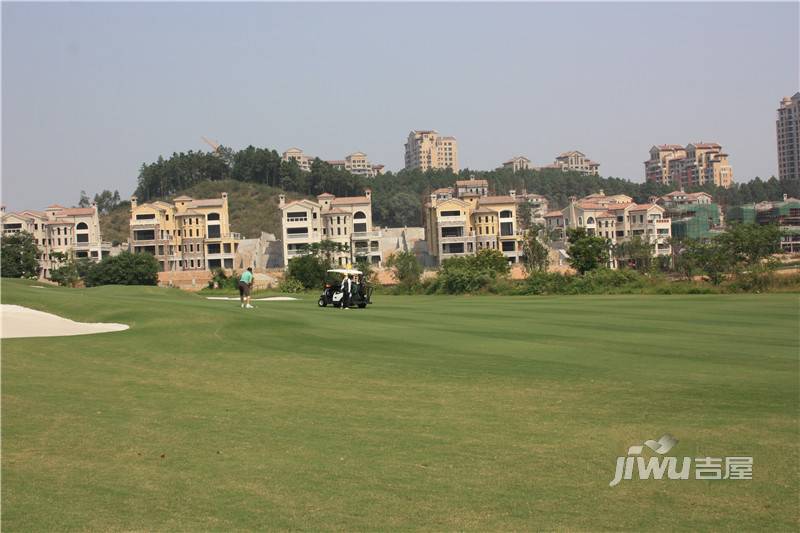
x: 345, y: 271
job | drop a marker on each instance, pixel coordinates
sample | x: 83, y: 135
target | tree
x: 636, y: 251
x: 326, y: 249
x: 750, y: 244
x: 709, y: 257
x: 66, y: 274
x: 310, y: 270
x: 491, y: 260
x: 536, y: 253
x: 19, y: 256
x: 586, y: 252
x: 84, y: 200
x: 367, y: 272
x: 407, y: 269
x: 124, y: 269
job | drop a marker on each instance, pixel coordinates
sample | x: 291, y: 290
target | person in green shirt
x: 245, y: 284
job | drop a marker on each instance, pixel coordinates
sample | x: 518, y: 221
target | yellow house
x: 464, y: 225
x: 187, y: 234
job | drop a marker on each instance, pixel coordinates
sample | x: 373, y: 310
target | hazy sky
x: 91, y: 91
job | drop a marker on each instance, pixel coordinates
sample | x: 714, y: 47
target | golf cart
x: 333, y: 295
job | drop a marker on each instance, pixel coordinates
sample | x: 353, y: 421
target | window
x: 213, y: 248
x: 450, y: 214
x: 359, y: 215
x: 146, y: 216
x: 213, y: 216
x: 213, y: 231
x: 297, y: 231
x: 360, y: 227
x: 82, y: 237
x: 81, y: 225
x: 508, y: 246
x: 506, y: 214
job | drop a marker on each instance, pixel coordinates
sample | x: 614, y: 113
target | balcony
x: 144, y: 223
x: 374, y: 234
x: 297, y: 236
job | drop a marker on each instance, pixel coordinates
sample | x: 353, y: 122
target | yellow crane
x: 213, y: 144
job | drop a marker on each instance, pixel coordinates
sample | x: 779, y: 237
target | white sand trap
x: 17, y: 321
x: 270, y: 299
x: 38, y: 287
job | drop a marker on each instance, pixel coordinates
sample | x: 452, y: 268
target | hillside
x: 253, y: 208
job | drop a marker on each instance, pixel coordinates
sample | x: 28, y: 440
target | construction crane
x: 213, y: 144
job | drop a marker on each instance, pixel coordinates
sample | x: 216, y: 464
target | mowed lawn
x: 435, y: 413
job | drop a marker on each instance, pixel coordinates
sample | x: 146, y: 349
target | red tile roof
x: 75, y: 212
x: 350, y: 200
x: 472, y: 183
x: 487, y: 200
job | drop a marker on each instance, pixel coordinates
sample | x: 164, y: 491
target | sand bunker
x: 271, y: 299
x: 17, y: 321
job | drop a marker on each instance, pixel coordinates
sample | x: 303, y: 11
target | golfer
x: 347, y: 287
x: 245, y: 284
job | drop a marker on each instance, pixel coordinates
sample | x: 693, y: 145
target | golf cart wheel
x: 362, y: 306
x: 322, y: 302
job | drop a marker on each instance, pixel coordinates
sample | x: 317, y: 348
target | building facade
x: 575, y: 161
x: 785, y: 213
x: 186, y: 234
x: 787, y: 128
x: 693, y: 215
x: 518, y: 163
x: 344, y: 220
x: 692, y: 166
x: 355, y: 163
x: 426, y: 150
x: 358, y: 164
x: 616, y: 218
x: 465, y: 220
x: 71, y: 231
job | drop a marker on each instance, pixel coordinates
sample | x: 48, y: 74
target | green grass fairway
x: 434, y: 413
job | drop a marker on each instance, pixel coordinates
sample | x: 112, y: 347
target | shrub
x: 308, y: 270
x: 406, y: 267
x: 19, y: 256
x: 290, y: 285
x: 124, y: 269
x: 470, y: 273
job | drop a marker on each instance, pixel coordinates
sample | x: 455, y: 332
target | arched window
x: 359, y: 215
x: 213, y: 216
x: 590, y: 220
x: 82, y: 225
x: 505, y: 214
x: 580, y: 221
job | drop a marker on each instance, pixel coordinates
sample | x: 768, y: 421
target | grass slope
x: 253, y: 208
x: 437, y: 413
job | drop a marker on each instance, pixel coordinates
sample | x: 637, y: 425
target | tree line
x: 398, y: 198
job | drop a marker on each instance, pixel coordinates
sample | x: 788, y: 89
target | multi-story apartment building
x: 355, y: 163
x: 73, y: 232
x: 537, y: 204
x: 298, y: 156
x: 657, y: 167
x: 187, y: 234
x: 518, y: 163
x: 471, y: 186
x: 358, y: 164
x: 785, y: 213
x: 466, y: 222
x: 425, y: 150
x: 344, y: 220
x: 575, y: 161
x: 787, y: 127
x: 695, y: 165
x: 617, y: 218
x: 694, y: 215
